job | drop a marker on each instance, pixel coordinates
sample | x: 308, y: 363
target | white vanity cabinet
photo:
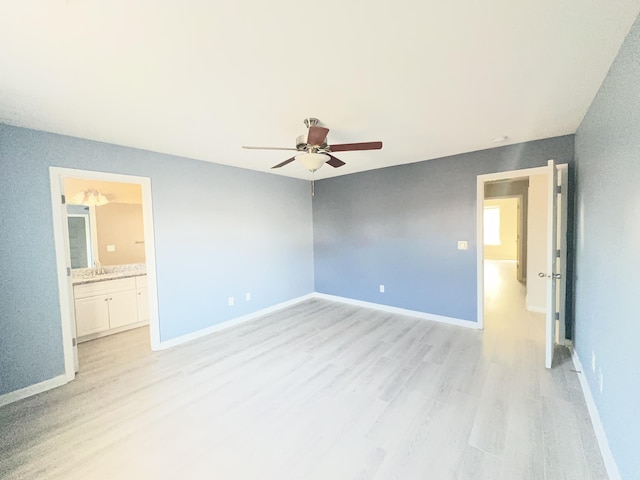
x: 92, y: 315
x: 105, y: 307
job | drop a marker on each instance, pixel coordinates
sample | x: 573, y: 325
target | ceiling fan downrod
x: 311, y: 122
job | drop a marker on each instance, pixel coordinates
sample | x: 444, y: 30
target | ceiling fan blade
x: 284, y: 163
x: 345, y: 147
x: 334, y: 162
x: 317, y: 135
x: 269, y: 148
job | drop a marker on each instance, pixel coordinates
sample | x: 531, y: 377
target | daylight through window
x: 492, y: 226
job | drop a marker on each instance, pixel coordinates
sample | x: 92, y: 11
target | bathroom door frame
x: 57, y: 175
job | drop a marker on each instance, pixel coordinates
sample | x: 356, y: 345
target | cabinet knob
x: 106, y: 299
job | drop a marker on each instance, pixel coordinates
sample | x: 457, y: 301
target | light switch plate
x: 463, y: 245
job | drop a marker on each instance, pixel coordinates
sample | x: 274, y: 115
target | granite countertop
x: 82, y: 276
x: 104, y: 276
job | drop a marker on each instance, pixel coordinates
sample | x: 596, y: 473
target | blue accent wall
x: 607, y: 316
x: 219, y: 231
x: 399, y: 227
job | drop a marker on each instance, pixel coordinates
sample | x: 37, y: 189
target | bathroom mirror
x: 105, y: 223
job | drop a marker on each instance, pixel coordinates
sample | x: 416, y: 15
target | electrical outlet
x: 111, y: 248
x: 381, y: 288
x: 231, y: 301
x: 601, y: 381
x: 593, y: 361
x: 247, y: 296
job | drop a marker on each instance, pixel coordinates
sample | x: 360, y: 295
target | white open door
x: 63, y: 260
x: 72, y: 316
x: 553, y: 273
x: 561, y: 268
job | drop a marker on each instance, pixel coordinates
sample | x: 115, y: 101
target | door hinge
x: 558, y: 189
x: 73, y: 342
x: 557, y: 315
x: 558, y: 253
x: 68, y: 271
x: 63, y: 199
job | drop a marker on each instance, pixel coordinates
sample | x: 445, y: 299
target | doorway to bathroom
x: 105, y: 253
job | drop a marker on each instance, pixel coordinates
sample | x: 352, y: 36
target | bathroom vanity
x: 110, y: 303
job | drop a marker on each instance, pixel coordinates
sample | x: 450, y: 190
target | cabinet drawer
x: 104, y: 287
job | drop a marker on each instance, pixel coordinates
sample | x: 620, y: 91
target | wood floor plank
x: 493, y: 414
x: 523, y: 442
x: 479, y: 465
x: 563, y: 459
x: 435, y: 444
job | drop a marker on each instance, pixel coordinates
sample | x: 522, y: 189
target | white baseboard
x: 401, y: 311
x: 31, y: 390
x: 601, y: 436
x: 163, y: 345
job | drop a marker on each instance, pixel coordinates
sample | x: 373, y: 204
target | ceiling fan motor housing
x: 302, y: 142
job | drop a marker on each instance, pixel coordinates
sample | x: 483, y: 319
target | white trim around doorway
x: 65, y: 290
x: 481, y: 180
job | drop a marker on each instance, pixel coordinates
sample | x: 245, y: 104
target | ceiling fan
x: 314, y: 149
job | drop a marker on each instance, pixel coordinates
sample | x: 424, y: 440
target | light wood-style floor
x: 320, y: 390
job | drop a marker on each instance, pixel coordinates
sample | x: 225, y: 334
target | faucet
x: 97, y: 270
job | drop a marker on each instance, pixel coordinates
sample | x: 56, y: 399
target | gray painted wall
x: 400, y: 226
x: 607, y: 321
x: 219, y: 231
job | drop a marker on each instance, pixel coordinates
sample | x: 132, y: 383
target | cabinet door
x: 143, y: 305
x: 92, y: 315
x: 123, y: 308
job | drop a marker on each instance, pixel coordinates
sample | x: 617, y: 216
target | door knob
x: 555, y: 275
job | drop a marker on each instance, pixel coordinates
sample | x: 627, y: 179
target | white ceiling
x: 200, y: 78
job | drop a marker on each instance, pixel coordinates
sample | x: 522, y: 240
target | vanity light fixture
x: 90, y: 197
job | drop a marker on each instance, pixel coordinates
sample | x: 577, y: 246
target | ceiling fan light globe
x: 312, y: 161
